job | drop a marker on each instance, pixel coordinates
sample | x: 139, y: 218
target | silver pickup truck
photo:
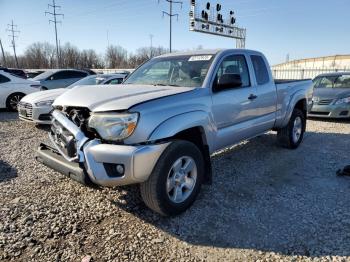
x: 160, y: 127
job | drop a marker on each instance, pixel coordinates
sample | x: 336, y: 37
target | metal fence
x: 303, y: 73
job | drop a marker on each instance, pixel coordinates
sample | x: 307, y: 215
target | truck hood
x: 43, y: 95
x: 114, y: 97
x: 331, y: 93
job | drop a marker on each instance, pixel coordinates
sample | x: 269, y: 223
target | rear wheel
x: 176, y: 179
x: 13, y: 100
x: 292, y: 135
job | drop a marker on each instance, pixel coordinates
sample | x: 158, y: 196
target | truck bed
x: 286, y: 81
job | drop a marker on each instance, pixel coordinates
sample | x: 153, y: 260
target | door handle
x: 252, y: 97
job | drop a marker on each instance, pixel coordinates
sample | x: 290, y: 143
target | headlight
x: 343, y: 100
x: 44, y: 103
x: 114, y: 126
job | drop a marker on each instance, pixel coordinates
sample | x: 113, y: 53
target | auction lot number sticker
x: 200, y: 58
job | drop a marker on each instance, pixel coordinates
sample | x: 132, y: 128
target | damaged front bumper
x: 102, y: 164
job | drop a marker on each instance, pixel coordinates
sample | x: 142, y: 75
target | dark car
x: 33, y: 74
x: 17, y: 72
x: 331, y: 96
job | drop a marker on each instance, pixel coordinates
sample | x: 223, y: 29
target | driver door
x: 234, y: 109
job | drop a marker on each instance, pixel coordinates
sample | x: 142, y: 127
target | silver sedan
x: 331, y: 96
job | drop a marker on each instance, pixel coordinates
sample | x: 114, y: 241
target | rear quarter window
x: 4, y: 79
x: 260, y: 69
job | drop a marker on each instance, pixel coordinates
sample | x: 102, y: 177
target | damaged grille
x: 63, y: 139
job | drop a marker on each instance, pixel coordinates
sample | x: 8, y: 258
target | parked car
x: 89, y: 71
x: 37, y: 107
x: 13, y: 89
x: 331, y: 96
x: 160, y: 128
x: 17, y: 72
x: 33, y: 74
x: 59, y: 78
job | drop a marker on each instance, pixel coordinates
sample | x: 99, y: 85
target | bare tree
x: 89, y: 59
x: 143, y: 54
x: 42, y: 55
x: 70, y: 56
x: 116, y: 57
x: 39, y: 55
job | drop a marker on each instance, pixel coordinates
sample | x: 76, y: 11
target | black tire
x: 43, y: 88
x: 13, y: 100
x: 154, y: 190
x: 285, y: 135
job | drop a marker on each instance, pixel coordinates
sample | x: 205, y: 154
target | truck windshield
x: 340, y: 81
x: 185, y: 71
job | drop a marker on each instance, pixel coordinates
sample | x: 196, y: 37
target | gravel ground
x: 266, y: 203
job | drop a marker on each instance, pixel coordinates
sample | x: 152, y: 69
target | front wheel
x: 292, y: 135
x: 176, y: 179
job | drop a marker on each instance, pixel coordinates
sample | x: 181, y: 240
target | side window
x: 260, y: 69
x: 4, y: 79
x: 67, y: 74
x: 114, y: 81
x: 235, y: 64
x: 58, y: 76
x: 342, y: 81
x: 76, y: 74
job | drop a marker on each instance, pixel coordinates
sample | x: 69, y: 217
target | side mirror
x: 228, y: 81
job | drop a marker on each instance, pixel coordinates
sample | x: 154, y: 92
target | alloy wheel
x: 181, y: 179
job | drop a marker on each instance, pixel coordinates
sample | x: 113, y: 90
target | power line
x: 55, y: 21
x: 13, y: 36
x: 170, y: 14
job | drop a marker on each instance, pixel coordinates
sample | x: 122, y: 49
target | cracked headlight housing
x: 113, y: 126
x: 44, y: 103
x: 343, y: 101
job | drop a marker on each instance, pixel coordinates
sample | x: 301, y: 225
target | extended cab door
x: 234, y: 108
x: 266, y: 94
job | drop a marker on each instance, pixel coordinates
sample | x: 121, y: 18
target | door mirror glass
x: 228, y: 81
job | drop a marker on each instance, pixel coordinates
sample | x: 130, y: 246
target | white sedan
x: 13, y: 89
x: 37, y: 107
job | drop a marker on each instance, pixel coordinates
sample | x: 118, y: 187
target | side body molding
x: 181, y: 122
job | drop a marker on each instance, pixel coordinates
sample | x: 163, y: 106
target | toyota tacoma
x: 161, y: 126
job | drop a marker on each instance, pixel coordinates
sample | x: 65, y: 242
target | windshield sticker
x: 200, y: 58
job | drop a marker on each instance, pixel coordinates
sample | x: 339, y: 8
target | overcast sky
x: 300, y: 28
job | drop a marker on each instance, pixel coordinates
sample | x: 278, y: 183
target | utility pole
x: 54, y: 14
x: 151, y: 38
x: 107, y: 38
x: 3, y: 54
x: 13, y: 36
x: 170, y: 14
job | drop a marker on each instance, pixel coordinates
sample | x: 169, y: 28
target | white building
x: 311, y: 67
